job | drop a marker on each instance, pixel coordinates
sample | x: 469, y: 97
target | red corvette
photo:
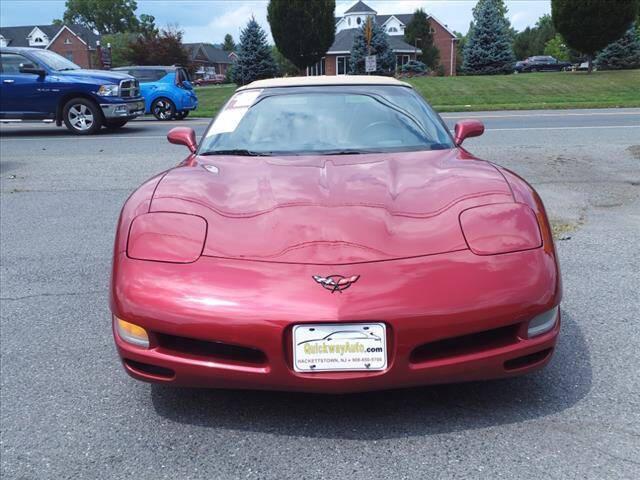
x: 328, y: 234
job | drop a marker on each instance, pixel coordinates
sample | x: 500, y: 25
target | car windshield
x: 325, y: 121
x: 54, y: 61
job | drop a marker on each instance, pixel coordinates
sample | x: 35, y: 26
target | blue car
x: 167, y: 91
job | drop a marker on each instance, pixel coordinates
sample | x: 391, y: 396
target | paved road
x: 69, y: 411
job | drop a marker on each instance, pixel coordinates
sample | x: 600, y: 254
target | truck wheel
x: 163, y: 108
x: 115, y: 124
x: 82, y: 116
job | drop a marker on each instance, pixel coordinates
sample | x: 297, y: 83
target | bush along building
x: 74, y: 42
x: 337, y: 59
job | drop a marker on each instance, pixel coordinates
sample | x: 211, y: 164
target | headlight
x: 108, y: 90
x: 543, y: 323
x: 131, y: 333
x: 500, y: 228
x: 167, y: 237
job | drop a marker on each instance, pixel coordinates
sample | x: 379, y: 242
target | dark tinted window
x: 147, y: 75
x: 11, y: 63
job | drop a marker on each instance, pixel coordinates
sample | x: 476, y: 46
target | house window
x: 402, y: 60
x: 37, y: 40
x: 3, y: 42
x: 69, y: 56
x: 67, y: 41
x: 349, y: 21
x: 432, y: 30
x: 341, y: 65
x: 359, y: 21
x: 392, y: 30
x: 317, y: 69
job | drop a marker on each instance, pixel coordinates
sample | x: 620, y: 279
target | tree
x: 557, y: 48
x: 623, y: 54
x: 285, y: 67
x: 166, y: 48
x: 120, y: 47
x: 302, y: 30
x: 105, y: 16
x: 532, y: 41
x: 147, y: 25
x: 420, y: 28
x: 488, y: 49
x: 385, y: 58
x: 229, y: 45
x: 254, y: 61
x: 590, y: 25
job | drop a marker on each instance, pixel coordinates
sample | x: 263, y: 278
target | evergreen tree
x: 229, y: 45
x: 488, y: 49
x: 622, y: 54
x: 385, y: 58
x: 420, y: 28
x: 588, y: 26
x: 303, y: 30
x: 255, y: 61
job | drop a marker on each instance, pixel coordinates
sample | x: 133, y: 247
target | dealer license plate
x: 339, y: 347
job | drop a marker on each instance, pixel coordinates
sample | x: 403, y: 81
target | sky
x: 210, y: 20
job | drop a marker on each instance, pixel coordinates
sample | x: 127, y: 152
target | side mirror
x: 183, y: 136
x: 31, y: 68
x: 467, y: 129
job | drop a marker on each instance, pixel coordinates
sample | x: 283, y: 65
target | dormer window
x: 393, y: 30
x: 358, y: 20
x: 37, y: 38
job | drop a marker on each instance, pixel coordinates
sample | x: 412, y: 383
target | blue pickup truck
x: 37, y: 84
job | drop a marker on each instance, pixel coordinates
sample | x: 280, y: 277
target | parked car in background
x: 37, y: 84
x: 167, y: 90
x: 542, y: 63
x: 216, y: 79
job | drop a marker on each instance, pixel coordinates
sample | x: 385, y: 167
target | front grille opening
x: 527, y: 360
x: 147, y: 368
x: 465, y: 344
x: 211, y: 350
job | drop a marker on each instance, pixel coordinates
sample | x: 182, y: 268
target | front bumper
x: 123, y: 110
x: 425, y: 303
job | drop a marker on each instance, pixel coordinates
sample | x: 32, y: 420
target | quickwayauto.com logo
x: 339, y: 348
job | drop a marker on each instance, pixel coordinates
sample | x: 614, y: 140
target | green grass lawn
x: 508, y: 92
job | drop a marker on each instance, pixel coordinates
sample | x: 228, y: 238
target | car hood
x: 97, y: 75
x: 332, y: 209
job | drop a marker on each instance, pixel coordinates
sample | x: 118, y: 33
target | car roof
x: 325, y: 80
x: 19, y: 49
x: 149, y: 67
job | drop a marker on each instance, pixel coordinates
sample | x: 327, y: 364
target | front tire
x: 163, y: 109
x: 82, y: 116
x: 115, y: 124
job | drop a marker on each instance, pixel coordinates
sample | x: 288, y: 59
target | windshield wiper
x: 65, y: 69
x: 347, y: 151
x: 237, y: 151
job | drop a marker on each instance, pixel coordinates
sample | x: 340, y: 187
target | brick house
x: 209, y: 60
x: 336, y: 61
x: 74, y: 42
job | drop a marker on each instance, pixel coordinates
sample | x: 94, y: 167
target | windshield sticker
x: 229, y: 119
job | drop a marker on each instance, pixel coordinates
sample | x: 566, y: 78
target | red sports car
x: 328, y: 234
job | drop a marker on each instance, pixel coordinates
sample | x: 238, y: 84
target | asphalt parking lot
x: 68, y: 410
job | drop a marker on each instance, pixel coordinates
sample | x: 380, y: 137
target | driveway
x: 68, y: 410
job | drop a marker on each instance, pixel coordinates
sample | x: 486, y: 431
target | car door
x: 22, y: 95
